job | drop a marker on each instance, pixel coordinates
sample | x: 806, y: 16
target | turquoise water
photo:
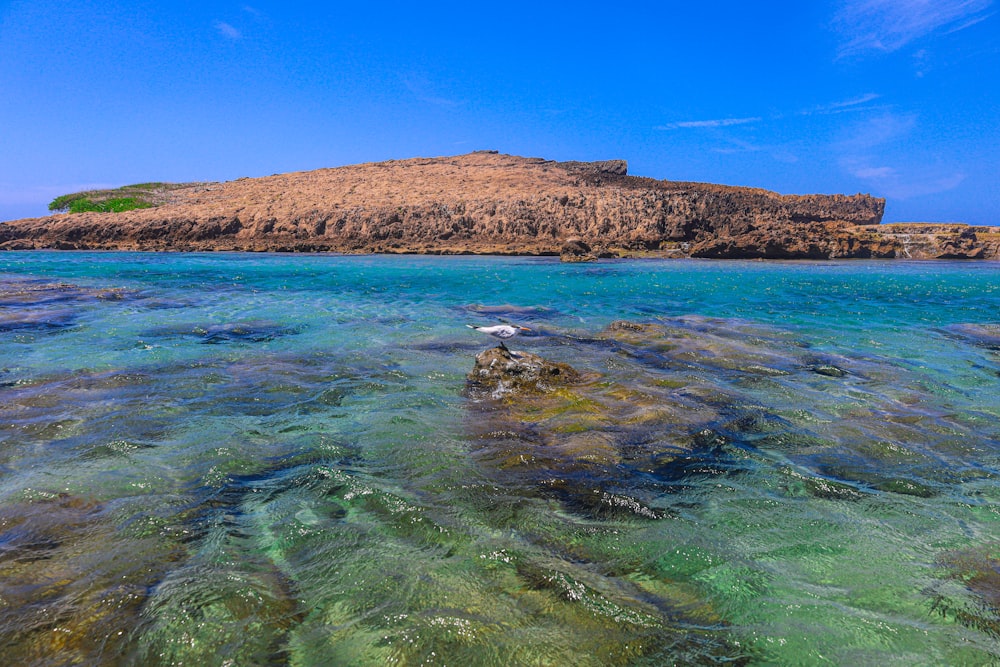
x: 272, y: 459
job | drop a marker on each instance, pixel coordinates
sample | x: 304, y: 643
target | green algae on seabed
x: 553, y: 416
x: 312, y: 487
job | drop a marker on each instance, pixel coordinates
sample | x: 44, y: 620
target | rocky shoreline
x: 489, y: 203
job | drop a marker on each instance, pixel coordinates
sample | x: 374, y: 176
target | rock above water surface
x: 499, y: 373
x: 577, y: 250
x: 487, y: 203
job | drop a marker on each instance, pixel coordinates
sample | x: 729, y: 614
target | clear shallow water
x: 271, y: 460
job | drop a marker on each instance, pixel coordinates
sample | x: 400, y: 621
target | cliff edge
x: 482, y: 202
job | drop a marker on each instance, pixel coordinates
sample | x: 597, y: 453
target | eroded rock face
x: 489, y: 203
x: 825, y: 241
x: 831, y: 241
x: 943, y: 241
x: 577, y: 250
x: 481, y: 202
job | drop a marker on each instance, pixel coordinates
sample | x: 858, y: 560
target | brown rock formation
x: 499, y: 373
x: 481, y: 202
x: 827, y: 241
x: 577, y: 250
x: 943, y: 241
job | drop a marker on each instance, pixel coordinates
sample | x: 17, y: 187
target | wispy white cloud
x: 777, y: 153
x: 228, y: 31
x: 854, y: 104
x: 928, y: 185
x: 889, y: 25
x: 920, y: 60
x: 868, y: 153
x: 874, y: 173
x: 424, y: 91
x: 876, y: 131
x: 715, y: 122
x: 728, y: 143
x: 908, y: 183
x: 968, y: 24
x: 735, y: 146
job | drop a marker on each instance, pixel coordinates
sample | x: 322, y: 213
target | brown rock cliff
x: 482, y: 202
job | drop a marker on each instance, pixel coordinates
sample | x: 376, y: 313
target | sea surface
x: 246, y: 459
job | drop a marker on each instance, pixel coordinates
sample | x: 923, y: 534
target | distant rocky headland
x: 489, y: 203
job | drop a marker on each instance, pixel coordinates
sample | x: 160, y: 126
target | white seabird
x: 501, y: 331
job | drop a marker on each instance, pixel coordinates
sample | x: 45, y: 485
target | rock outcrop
x: 654, y: 404
x: 500, y: 373
x: 577, y: 250
x: 942, y: 241
x: 485, y: 202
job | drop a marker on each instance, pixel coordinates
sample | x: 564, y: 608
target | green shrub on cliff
x: 116, y: 205
x: 125, y: 198
x: 65, y: 202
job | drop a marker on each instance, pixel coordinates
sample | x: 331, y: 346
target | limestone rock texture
x: 577, y: 250
x: 501, y: 373
x: 489, y: 203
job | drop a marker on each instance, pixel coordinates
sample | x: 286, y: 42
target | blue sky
x: 899, y: 98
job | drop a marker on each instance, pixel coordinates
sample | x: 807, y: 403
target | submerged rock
x: 37, y: 305
x: 981, y: 335
x: 978, y: 570
x: 24, y: 293
x: 250, y: 331
x: 828, y: 370
x: 37, y: 320
x: 70, y: 590
x: 566, y: 433
x: 500, y: 373
x: 634, y: 425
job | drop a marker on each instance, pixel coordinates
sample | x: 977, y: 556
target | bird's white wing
x: 502, y: 331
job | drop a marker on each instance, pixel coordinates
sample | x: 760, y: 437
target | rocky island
x: 489, y: 203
